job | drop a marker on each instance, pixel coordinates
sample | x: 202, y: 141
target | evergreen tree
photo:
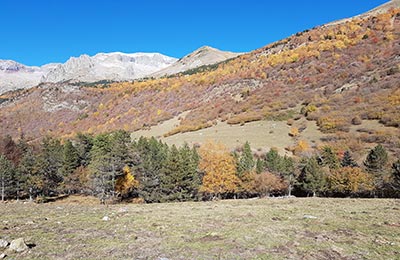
x: 376, y: 160
x: 120, y: 149
x: 6, y: 177
x: 84, y: 143
x: 375, y: 164
x: 245, y: 171
x: 48, y: 165
x: 329, y: 158
x: 181, y: 174
x: 288, y: 173
x: 70, y: 159
x: 109, y: 155
x: 348, y: 160
x: 312, y: 177
x: 259, y: 166
x: 273, y: 161
x: 246, y: 161
x: 30, y: 181
x: 150, y: 160
x: 103, y: 175
x: 173, y: 177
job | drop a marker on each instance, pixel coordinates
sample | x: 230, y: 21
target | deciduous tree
x: 220, y: 172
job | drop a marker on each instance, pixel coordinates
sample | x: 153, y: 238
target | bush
x: 356, y: 120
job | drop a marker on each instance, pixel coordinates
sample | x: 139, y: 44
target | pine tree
x: 288, y: 173
x: 84, y: 143
x: 109, y: 155
x: 273, y: 161
x: 30, y: 181
x: 245, y: 171
x: 375, y: 164
x: 312, y: 177
x: 348, y: 160
x: 180, y: 178
x: 172, y: 181
x: 259, y: 166
x: 48, y: 165
x: 376, y: 160
x: 70, y: 159
x: 103, y: 175
x: 149, y: 162
x: 6, y: 177
x: 329, y: 158
x: 246, y: 161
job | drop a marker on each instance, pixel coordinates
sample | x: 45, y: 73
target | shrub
x: 356, y: 120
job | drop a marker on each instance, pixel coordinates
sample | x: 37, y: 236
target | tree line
x: 112, y: 166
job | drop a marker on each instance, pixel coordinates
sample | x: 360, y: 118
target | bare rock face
x: 14, y: 75
x: 115, y: 66
x: 18, y: 245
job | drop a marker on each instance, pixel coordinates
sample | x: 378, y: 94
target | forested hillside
x: 75, y: 138
x: 336, y: 75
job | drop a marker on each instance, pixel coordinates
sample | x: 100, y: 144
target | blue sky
x: 43, y: 31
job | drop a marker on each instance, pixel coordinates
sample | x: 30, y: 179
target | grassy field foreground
x: 312, y: 228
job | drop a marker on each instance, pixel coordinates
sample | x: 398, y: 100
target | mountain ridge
x: 202, y: 56
x: 113, y: 66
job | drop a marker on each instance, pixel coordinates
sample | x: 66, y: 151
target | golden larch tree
x: 126, y: 182
x: 219, y: 168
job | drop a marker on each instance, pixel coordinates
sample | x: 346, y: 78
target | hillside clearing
x: 309, y: 228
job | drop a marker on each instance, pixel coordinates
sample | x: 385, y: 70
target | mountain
x: 335, y: 84
x: 203, y: 56
x: 14, y: 75
x: 114, y: 66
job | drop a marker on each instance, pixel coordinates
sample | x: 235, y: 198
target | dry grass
x: 261, y: 134
x: 237, y: 229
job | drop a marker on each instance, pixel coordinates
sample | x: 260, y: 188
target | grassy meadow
x: 273, y: 228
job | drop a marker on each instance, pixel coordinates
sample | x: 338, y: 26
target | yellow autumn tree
x: 126, y: 182
x: 350, y: 180
x: 220, y: 170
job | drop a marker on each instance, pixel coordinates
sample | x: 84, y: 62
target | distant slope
x: 14, y: 75
x: 115, y: 66
x: 203, y: 56
x: 108, y: 66
x: 376, y: 11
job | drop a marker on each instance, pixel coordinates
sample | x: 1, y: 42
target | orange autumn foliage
x: 350, y: 180
x: 220, y: 170
x: 126, y: 182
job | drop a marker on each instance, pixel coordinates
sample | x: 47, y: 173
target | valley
x: 288, y: 151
